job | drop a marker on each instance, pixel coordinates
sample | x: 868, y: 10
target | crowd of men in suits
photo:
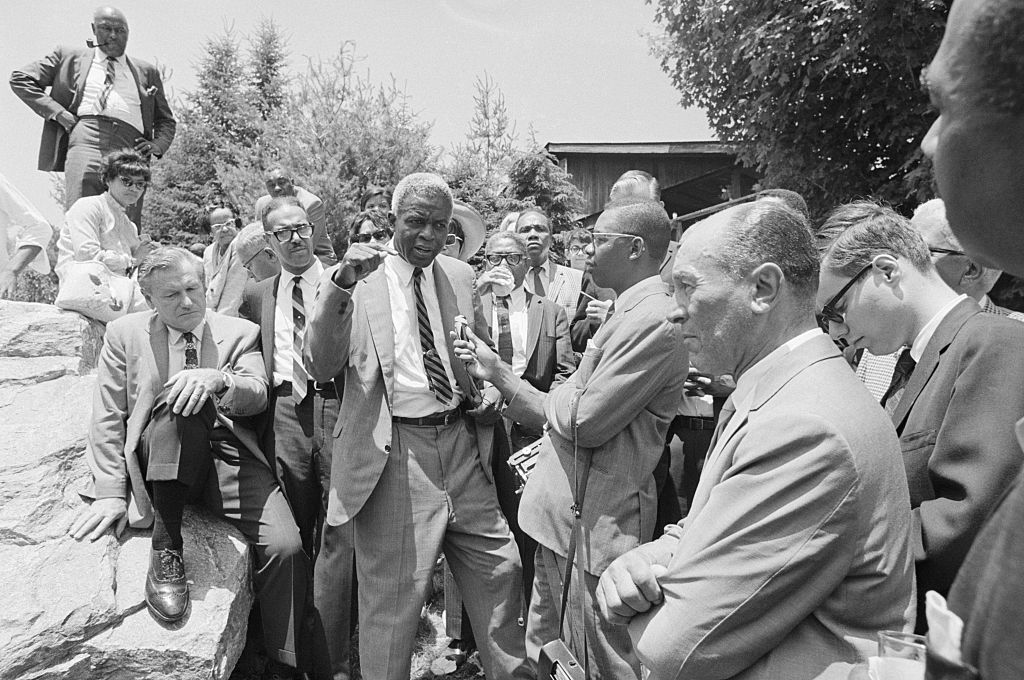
x: 355, y: 421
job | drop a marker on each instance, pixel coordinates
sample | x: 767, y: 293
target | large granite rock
x: 76, y: 609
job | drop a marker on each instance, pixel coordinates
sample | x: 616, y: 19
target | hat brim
x: 473, y: 229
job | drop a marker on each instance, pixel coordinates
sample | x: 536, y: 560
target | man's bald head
x: 110, y: 29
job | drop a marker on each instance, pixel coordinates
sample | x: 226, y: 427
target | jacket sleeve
x: 247, y: 395
x: 164, y: 125
x: 754, y: 563
x: 329, y: 332
x: 107, y: 431
x: 565, y: 360
x: 30, y: 82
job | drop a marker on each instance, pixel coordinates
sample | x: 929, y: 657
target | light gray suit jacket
x: 351, y: 331
x: 797, y: 550
x: 132, y: 370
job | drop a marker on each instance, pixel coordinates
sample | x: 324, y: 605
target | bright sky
x: 579, y: 70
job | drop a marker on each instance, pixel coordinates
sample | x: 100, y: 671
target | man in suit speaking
x: 796, y: 551
x: 99, y: 101
x: 411, y: 469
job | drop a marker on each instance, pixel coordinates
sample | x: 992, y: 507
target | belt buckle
x: 449, y: 417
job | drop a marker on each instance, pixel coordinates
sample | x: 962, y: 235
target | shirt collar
x: 311, y: 276
x: 175, y: 335
x: 634, y: 293
x: 746, y: 383
x: 924, y: 336
x: 404, y: 270
x: 114, y: 205
x: 544, y: 266
x: 99, y: 57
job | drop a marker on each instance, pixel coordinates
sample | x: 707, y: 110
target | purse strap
x: 581, y: 473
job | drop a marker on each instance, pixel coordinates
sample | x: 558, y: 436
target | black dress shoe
x: 166, y: 587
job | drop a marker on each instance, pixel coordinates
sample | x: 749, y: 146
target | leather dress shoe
x: 166, y: 587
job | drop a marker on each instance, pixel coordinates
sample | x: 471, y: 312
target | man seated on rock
x: 174, y: 388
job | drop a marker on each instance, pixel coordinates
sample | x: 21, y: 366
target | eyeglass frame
x: 132, y: 183
x: 828, y: 313
x: 945, y: 251
x: 375, y: 235
x: 291, y: 231
x: 612, y: 234
x: 504, y: 257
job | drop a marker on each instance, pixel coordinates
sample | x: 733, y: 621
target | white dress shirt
x: 176, y: 357
x: 284, y: 324
x: 413, y: 398
x: 518, y: 321
x: 924, y: 336
x: 123, y: 102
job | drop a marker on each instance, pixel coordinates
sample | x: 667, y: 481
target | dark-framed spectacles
x: 376, y: 235
x: 828, y: 312
x: 945, y: 251
x: 247, y: 264
x: 577, y: 248
x: 304, y: 230
x: 133, y: 183
x: 513, y: 259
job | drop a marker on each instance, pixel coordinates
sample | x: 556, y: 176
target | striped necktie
x: 505, y: 349
x: 191, y: 354
x: 108, y: 85
x: 538, y: 283
x: 436, y: 376
x: 300, y: 378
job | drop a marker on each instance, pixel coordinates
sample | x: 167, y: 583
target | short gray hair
x: 168, y: 257
x: 278, y: 202
x: 771, y: 231
x: 512, y: 236
x: 250, y: 241
x: 422, y: 184
x: 863, y: 229
x: 637, y: 184
x: 933, y: 214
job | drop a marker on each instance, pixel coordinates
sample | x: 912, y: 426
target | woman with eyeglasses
x: 370, y: 226
x: 225, y: 271
x: 465, y: 233
x: 97, y: 228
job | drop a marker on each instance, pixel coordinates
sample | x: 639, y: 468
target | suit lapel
x: 941, y: 339
x: 382, y: 328
x: 556, y: 279
x: 82, y: 64
x: 158, y: 341
x: 449, y: 306
x: 210, y: 349
x: 268, y: 316
x: 534, y: 318
x: 487, y: 306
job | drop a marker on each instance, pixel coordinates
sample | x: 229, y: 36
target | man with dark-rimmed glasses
x: 955, y: 393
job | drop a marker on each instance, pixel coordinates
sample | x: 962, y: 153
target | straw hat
x: 473, y: 229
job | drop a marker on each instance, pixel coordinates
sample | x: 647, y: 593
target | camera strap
x: 581, y: 472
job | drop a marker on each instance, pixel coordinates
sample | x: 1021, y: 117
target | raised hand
x: 361, y: 260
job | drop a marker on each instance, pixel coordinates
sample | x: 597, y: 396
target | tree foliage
x: 820, y: 96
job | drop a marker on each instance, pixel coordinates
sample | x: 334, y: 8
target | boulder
x: 76, y: 609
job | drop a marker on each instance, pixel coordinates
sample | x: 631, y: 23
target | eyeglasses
x: 132, y: 183
x: 494, y: 259
x: 221, y: 225
x: 599, y: 235
x: 945, y: 251
x: 828, y: 313
x: 253, y: 257
x: 304, y: 230
x: 577, y: 250
x: 451, y: 239
x: 366, y: 237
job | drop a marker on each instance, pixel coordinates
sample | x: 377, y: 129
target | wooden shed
x: 693, y: 175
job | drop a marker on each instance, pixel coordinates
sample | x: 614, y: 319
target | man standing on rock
x: 279, y: 184
x: 175, y: 387
x: 98, y: 101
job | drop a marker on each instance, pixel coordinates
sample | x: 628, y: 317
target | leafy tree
x: 821, y: 96
x: 535, y: 178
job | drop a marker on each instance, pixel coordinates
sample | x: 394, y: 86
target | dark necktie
x: 505, y: 349
x: 300, y: 378
x: 436, y: 376
x: 191, y: 355
x: 108, y: 85
x: 538, y: 283
x: 900, y: 377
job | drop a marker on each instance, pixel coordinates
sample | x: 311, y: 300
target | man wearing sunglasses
x: 295, y: 430
x: 955, y: 394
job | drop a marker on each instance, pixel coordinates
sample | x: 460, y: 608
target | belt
x: 109, y: 119
x: 433, y: 420
x: 325, y: 390
x: 696, y: 423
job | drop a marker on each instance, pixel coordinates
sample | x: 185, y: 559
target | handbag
x: 556, y: 659
x: 91, y: 289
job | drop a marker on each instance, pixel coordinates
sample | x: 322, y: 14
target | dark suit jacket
x: 64, y: 71
x: 955, y: 422
x: 581, y: 329
x: 350, y: 332
x: 131, y: 373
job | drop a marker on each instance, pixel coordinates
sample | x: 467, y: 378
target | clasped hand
x: 188, y: 390
x: 629, y: 586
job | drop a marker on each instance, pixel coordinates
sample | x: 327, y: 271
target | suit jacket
x: 317, y: 215
x: 988, y: 593
x: 131, y: 373
x: 350, y: 332
x: 629, y: 384
x: 563, y: 286
x: 581, y: 329
x: 64, y: 71
x: 549, y: 357
x: 955, y: 421
x: 796, y: 551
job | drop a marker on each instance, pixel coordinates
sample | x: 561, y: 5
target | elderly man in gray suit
x: 624, y: 393
x: 797, y: 550
x: 411, y: 469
